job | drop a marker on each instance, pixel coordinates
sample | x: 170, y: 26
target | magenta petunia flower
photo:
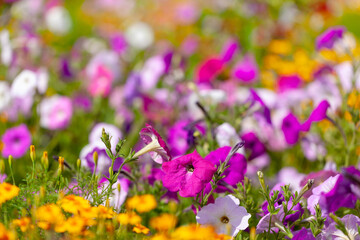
x: 303, y: 234
x: 253, y: 145
x: 237, y: 166
x: 17, y: 141
x: 318, y: 114
x: 155, y: 145
x: 229, y: 50
x: 187, y: 174
x: 291, y: 128
x: 209, y: 69
x: 288, y: 82
x: 328, y: 38
x: 246, y: 70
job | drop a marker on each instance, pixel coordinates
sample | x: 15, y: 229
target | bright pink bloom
x: 100, y: 84
x: 187, y: 174
x: 209, y: 69
x: 329, y: 37
x: 318, y: 114
x: 289, y: 82
x: 246, y: 70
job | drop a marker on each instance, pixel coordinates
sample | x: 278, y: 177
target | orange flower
x: 7, y: 192
x: 141, y: 229
x: 142, y: 203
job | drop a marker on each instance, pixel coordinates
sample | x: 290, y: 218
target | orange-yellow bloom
x: 7, y: 192
x: 128, y: 218
x: 164, y: 222
x: 141, y: 229
x: 142, y: 203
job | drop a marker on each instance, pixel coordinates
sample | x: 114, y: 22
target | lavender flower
x: 328, y: 38
x: 225, y: 215
x: 17, y: 141
x: 351, y: 223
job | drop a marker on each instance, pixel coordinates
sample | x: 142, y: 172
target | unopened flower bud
x: 45, y: 160
x: 119, y: 187
x: 61, y: 164
x: 10, y: 160
x: 32, y: 153
x: 306, y: 188
x: 78, y: 163
x: 261, y: 179
x: 95, y: 158
x: 2, y: 166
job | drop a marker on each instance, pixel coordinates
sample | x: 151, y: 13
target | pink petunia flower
x: 100, y: 84
x: 187, y: 174
x: 155, y: 145
x: 55, y: 112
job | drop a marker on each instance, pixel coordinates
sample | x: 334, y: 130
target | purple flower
x: 17, y: 141
x: 351, y: 223
x: 274, y: 221
x: 55, y: 112
x: 118, y: 43
x: 178, y: 138
x: 96, y: 133
x: 289, y: 82
x: 313, y: 147
x: 291, y: 128
x: 318, y: 114
x: 104, y: 162
x: 255, y: 99
x: 246, y: 70
x: 155, y: 145
x: 2, y: 177
x: 187, y: 174
x: 278, y: 203
x: 303, y: 234
x: 229, y: 50
x: 332, y: 194
x: 120, y: 191
x: 209, y: 69
x: 225, y: 215
x: 233, y: 174
x: 328, y: 38
x: 131, y: 90
x: 253, y: 145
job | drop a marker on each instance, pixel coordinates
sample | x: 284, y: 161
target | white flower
x: 139, y: 35
x: 6, y: 49
x: 4, y: 96
x: 226, y: 136
x: 58, y: 20
x: 153, y: 68
x: 225, y: 215
x: 24, y: 84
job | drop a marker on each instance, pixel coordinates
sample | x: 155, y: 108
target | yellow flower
x: 24, y: 223
x: 282, y: 47
x: 7, y: 192
x: 352, y: 99
x: 73, y: 225
x: 164, y: 222
x: 74, y: 204
x: 194, y: 232
x: 5, y: 234
x: 128, y: 218
x: 104, y: 212
x: 348, y: 116
x: 142, y: 203
x: 160, y: 237
x: 141, y: 229
x: 49, y: 215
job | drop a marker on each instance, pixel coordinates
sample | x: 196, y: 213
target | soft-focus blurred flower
x: 288, y: 82
x: 246, y: 70
x: 55, y: 112
x: 226, y: 135
x: 96, y: 133
x: 209, y: 69
x: 7, y: 192
x: 5, y: 96
x: 120, y: 191
x: 291, y: 128
x: 253, y: 145
x: 225, y: 215
x: 6, y: 48
x: 328, y: 38
x: 58, y: 20
x: 153, y: 68
x: 318, y: 114
x: 229, y: 50
x: 17, y: 141
x: 163, y: 222
x: 139, y: 35
x: 24, y: 85
x: 142, y: 203
x: 313, y: 147
x: 187, y: 174
x: 100, y: 83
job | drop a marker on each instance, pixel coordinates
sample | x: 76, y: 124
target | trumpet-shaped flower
x: 187, y: 174
x: 155, y: 145
x: 225, y: 215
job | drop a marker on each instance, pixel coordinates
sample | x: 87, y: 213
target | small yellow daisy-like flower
x: 194, y: 232
x: 164, y: 222
x: 104, y: 212
x: 74, y: 204
x: 24, y: 223
x: 138, y: 228
x: 49, y: 215
x: 8, y: 192
x: 128, y: 218
x: 5, y: 234
x: 142, y: 203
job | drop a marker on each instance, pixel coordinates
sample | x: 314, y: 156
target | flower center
x: 224, y: 219
x: 190, y: 168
